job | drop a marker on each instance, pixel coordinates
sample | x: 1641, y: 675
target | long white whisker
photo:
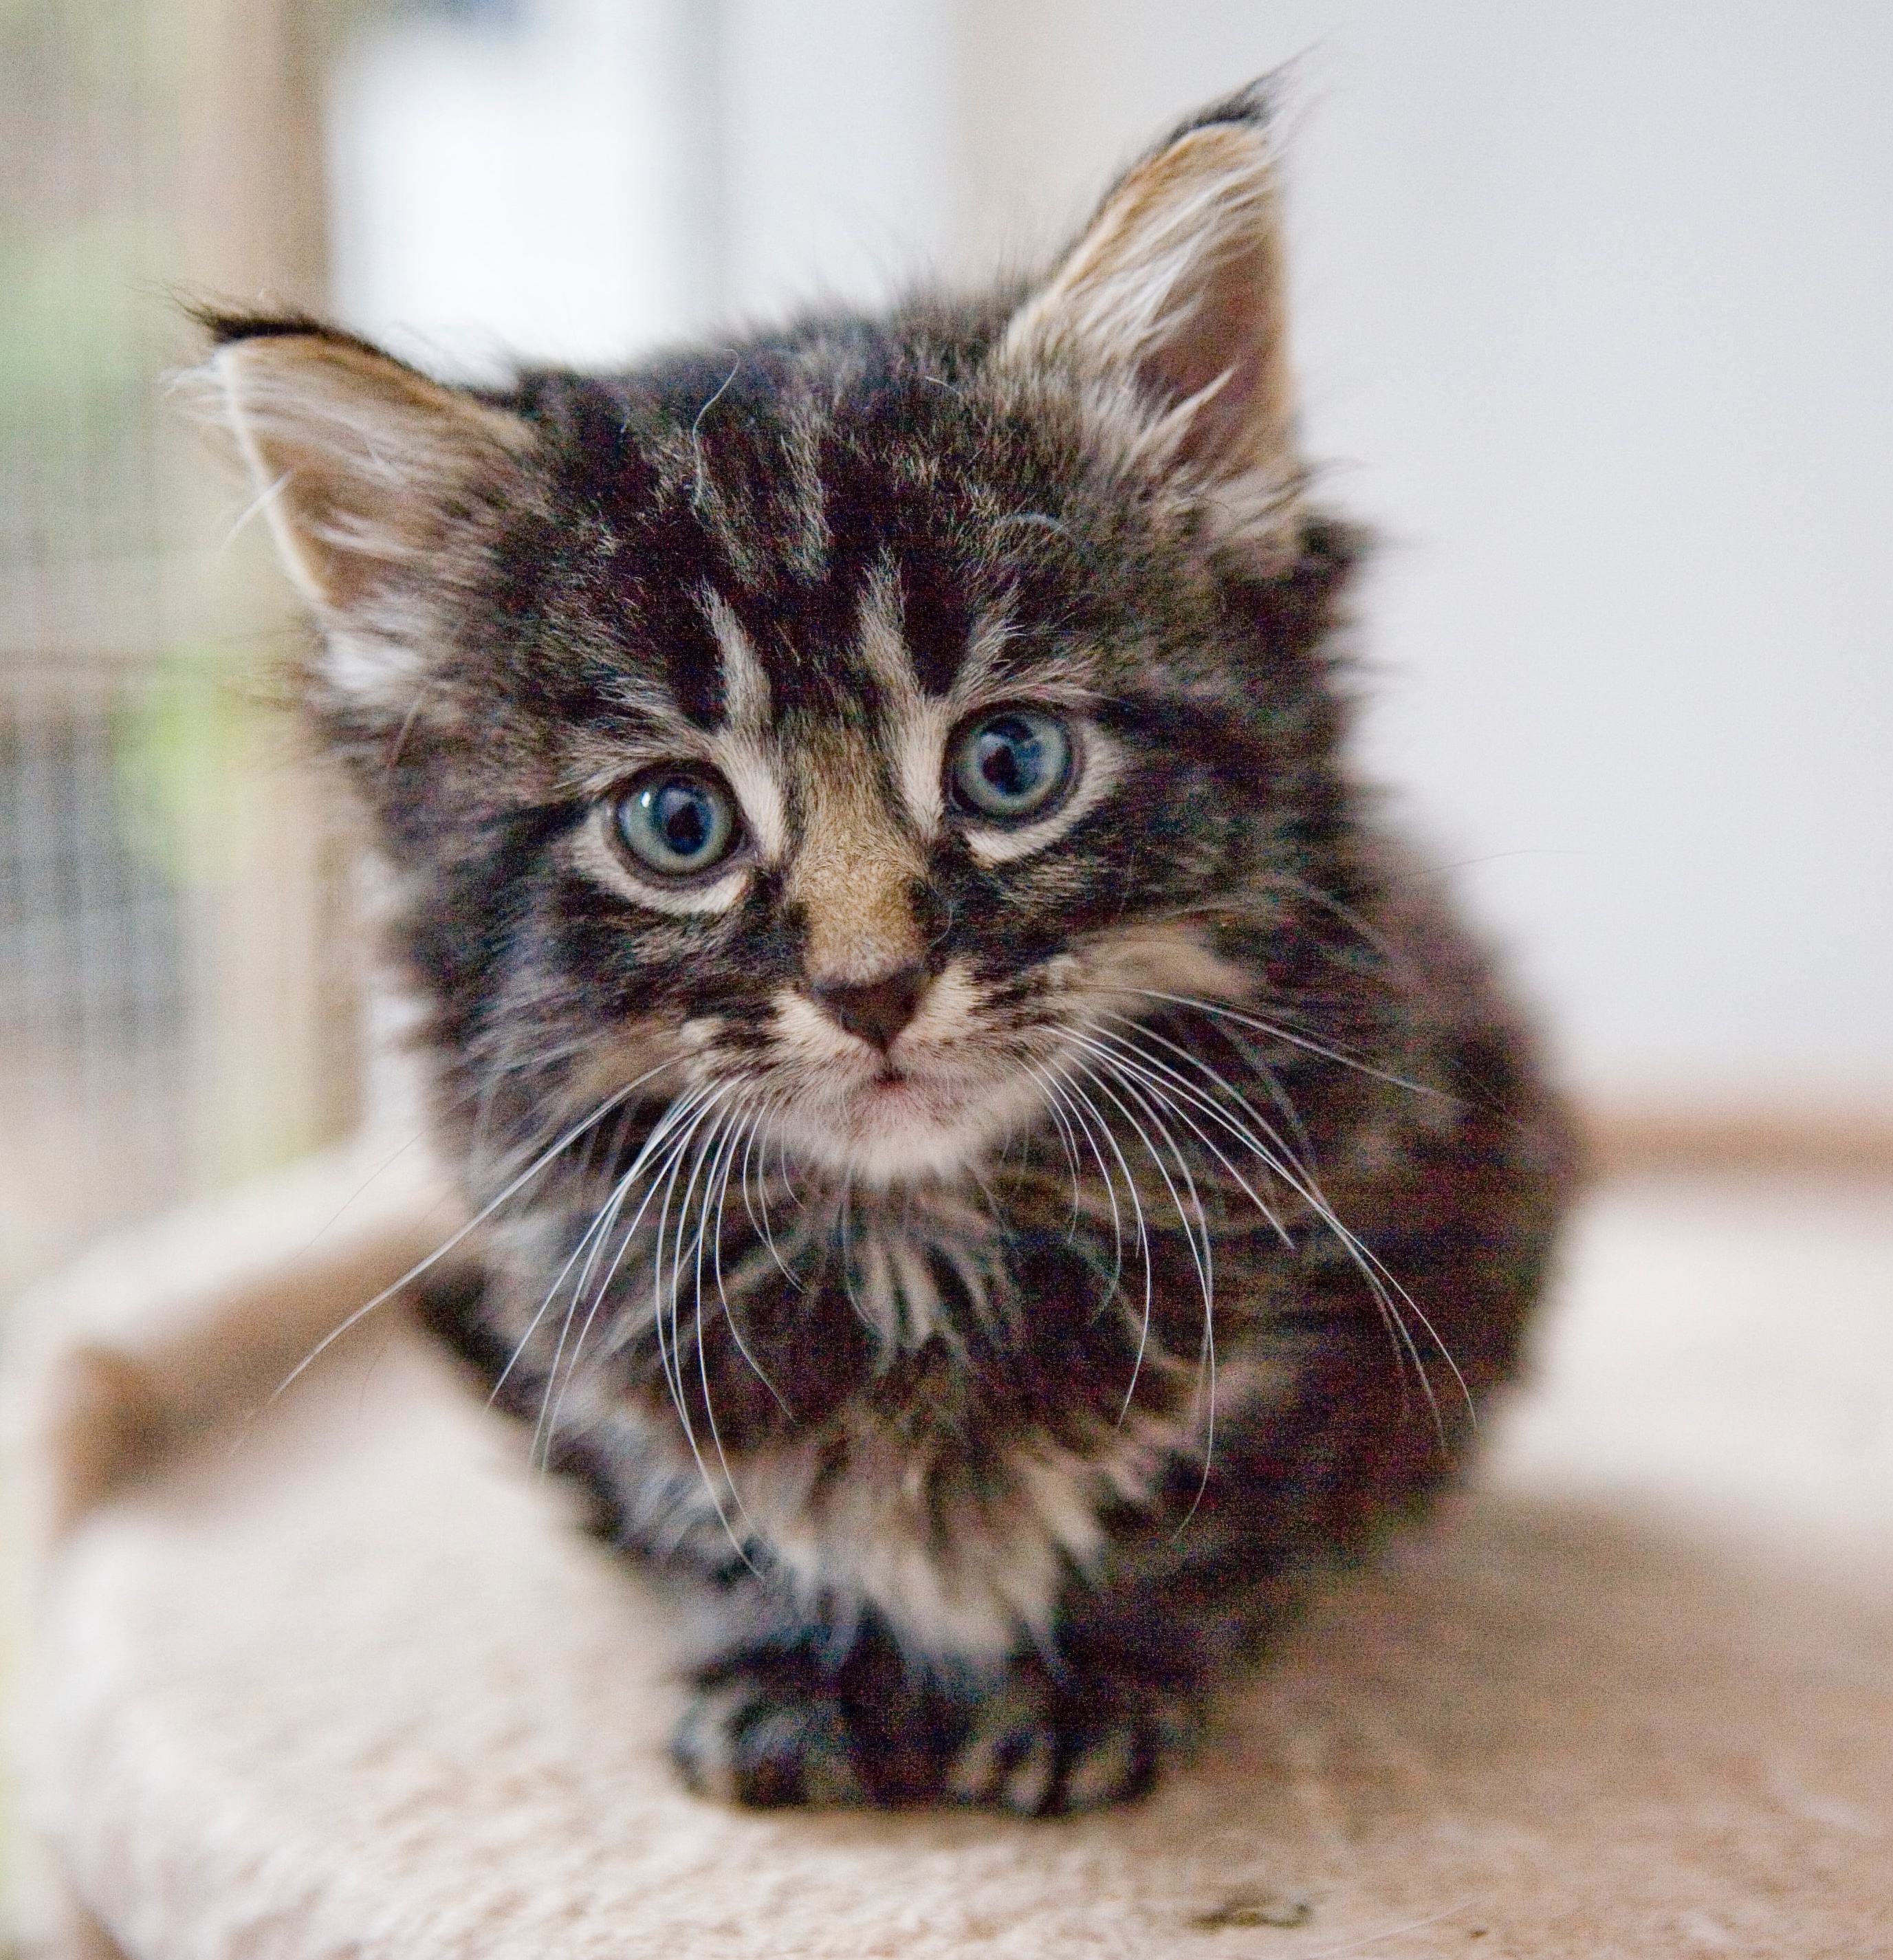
x: 763, y: 1226
x: 1137, y: 1201
x: 670, y: 1352
x: 1082, y: 1103
x: 1056, y: 1112
x: 478, y: 1219
x: 704, y: 1226
x: 1250, y: 1054
x: 675, y: 1298
x: 748, y: 1116
x: 1143, y: 1234
x: 1311, y: 1195
x: 594, y: 1239
x: 672, y: 1135
x: 594, y: 1234
x: 1200, y: 1252
x: 1197, y: 1236
x: 1275, y: 1033
x: 1383, y: 1283
x: 1155, y: 1071
x: 1073, y: 1120
x: 655, y: 1139
x: 1140, y: 1034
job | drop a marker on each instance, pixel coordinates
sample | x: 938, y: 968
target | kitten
x: 990, y: 1159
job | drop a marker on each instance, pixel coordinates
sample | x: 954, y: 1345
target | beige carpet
x: 340, y: 1682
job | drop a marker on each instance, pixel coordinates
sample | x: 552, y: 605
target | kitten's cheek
x: 641, y: 1050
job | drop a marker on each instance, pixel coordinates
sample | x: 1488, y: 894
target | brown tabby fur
x: 1003, y: 1260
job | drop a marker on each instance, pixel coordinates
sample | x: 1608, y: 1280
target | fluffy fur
x: 1005, y: 1255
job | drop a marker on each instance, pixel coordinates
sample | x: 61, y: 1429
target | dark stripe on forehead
x: 754, y: 475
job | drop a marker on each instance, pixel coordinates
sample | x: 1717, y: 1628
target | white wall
x: 579, y: 181
x: 845, y: 142
x: 522, y: 183
x: 1596, y: 327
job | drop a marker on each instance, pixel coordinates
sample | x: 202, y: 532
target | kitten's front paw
x: 1030, y: 1752
x: 775, y: 1728
x: 756, y: 1737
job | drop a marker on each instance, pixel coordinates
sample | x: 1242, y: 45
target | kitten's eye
x: 677, y: 821
x: 1013, y: 764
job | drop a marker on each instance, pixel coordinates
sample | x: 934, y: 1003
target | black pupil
x: 684, y: 816
x: 1011, y: 757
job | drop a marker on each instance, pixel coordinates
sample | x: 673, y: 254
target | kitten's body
x: 1004, y: 1247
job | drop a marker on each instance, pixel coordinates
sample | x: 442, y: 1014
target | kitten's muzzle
x: 875, y: 1011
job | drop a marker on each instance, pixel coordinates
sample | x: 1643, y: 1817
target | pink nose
x: 877, y: 1010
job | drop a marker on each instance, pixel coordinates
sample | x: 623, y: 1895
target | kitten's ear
x: 364, y: 466
x: 1177, y: 283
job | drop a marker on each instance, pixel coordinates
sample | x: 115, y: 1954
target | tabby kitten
x: 990, y: 1159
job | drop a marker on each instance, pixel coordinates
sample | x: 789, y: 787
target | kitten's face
x: 879, y: 825
x: 832, y: 736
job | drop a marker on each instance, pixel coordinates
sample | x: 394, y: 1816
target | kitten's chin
x: 907, y: 1128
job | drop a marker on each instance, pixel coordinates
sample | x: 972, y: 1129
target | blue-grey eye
x: 1013, y: 764
x: 677, y: 821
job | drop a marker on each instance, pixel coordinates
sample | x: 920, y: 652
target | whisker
x: 748, y: 1118
x: 1058, y: 1116
x: 1137, y: 1200
x: 1198, y: 1238
x: 1182, y: 1083
x: 703, y: 1362
x: 764, y: 1225
x: 674, y: 1349
x: 1240, y: 1043
x: 478, y: 1219
x: 674, y: 1136
x: 678, y: 1396
x: 592, y: 1240
x: 696, y: 1107
x: 1201, y: 1253
x: 1081, y: 1100
x: 1065, y: 1114
x: 595, y: 1233
x: 1278, y: 1033
x: 1250, y: 1056
x: 657, y: 1139
x: 1382, y: 1282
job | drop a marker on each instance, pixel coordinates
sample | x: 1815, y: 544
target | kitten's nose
x: 875, y: 1009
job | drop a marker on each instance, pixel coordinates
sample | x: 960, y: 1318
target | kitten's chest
x: 893, y: 1412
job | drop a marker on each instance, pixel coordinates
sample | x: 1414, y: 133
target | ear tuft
x: 364, y: 465
x: 1178, y: 286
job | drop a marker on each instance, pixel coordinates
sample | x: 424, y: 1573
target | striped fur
x: 1005, y: 1256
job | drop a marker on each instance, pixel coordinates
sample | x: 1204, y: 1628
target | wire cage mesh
x: 170, y: 1014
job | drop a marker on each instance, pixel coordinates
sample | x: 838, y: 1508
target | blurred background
x: 1594, y: 305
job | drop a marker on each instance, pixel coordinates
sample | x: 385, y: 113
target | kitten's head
x: 839, y: 729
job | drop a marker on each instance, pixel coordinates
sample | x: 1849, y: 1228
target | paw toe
x: 748, y: 1741
x: 1110, y: 1767
x: 1026, y: 1756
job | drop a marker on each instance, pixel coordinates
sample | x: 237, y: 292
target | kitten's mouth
x: 895, y: 1088
x: 903, y: 1121
x: 947, y: 1090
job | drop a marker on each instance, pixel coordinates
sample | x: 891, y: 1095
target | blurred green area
x: 193, y: 754
x: 69, y: 325
x: 91, y: 97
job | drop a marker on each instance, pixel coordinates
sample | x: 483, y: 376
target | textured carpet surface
x: 341, y: 1680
